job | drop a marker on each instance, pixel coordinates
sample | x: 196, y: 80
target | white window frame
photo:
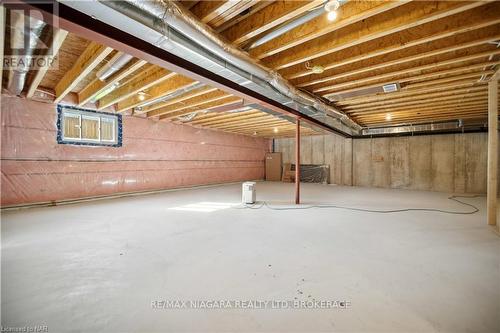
x: 115, y: 129
x: 81, y: 114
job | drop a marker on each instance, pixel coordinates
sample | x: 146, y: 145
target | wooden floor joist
x: 97, y: 87
x: 459, y: 26
x: 191, y: 103
x: 57, y: 40
x: 271, y: 16
x: 350, y: 13
x: 201, y: 107
x: 362, y: 69
x: 408, y: 15
x: 144, y: 80
x: 88, y: 60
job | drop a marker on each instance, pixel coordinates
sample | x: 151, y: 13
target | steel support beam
x: 297, y: 161
x: 492, y: 190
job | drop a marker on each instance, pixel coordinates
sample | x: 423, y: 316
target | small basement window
x: 88, y: 127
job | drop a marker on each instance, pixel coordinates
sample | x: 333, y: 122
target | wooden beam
x: 426, y: 119
x: 436, y: 107
x: 457, y: 95
x: 455, y: 109
x: 150, y: 76
x: 86, y: 62
x: 243, y: 16
x: 393, y: 21
x: 182, y: 98
x: 97, y: 87
x: 188, y: 3
x: 398, y: 60
x: 414, y: 94
x: 396, y: 73
x: 421, y: 77
x: 457, y: 27
x: 422, y: 115
x: 421, y: 98
x: 474, y: 98
x: 257, y: 128
x: 206, y: 11
x: 415, y: 86
x: 58, y: 39
x: 263, y: 119
x: 205, y: 106
x: 414, y: 89
x: 492, y: 190
x: 212, y: 116
x: 238, y: 8
x: 269, y: 17
x: 159, y: 90
x: 189, y: 104
x: 227, y: 118
x: 351, y: 12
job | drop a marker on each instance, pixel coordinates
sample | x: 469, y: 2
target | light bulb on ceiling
x: 388, y: 117
x: 332, y: 5
x: 332, y: 16
x: 275, y: 130
x: 142, y: 95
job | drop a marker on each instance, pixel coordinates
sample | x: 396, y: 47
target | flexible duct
x: 24, y: 57
x: 289, y: 26
x: 172, y: 95
x: 158, y: 15
x: 114, y: 65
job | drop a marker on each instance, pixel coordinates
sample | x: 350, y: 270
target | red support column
x: 297, y: 162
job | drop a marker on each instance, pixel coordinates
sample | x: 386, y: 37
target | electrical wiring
x: 474, y: 210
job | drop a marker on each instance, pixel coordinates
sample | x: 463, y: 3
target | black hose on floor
x: 259, y: 205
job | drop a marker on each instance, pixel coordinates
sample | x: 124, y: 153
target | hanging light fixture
x: 331, y: 8
x: 332, y: 16
x: 142, y: 95
x: 317, y: 69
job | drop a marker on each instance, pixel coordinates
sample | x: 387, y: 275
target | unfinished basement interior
x: 250, y: 166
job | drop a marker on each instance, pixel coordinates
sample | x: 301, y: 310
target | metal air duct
x: 169, y: 19
x: 24, y: 57
x: 114, y: 65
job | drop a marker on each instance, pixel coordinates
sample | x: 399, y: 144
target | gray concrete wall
x: 445, y: 163
x: 333, y: 150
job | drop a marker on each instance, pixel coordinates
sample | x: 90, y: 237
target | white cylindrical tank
x: 248, y: 193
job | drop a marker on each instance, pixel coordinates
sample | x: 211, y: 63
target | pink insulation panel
x: 155, y: 155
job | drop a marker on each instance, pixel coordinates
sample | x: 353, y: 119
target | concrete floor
x: 96, y: 267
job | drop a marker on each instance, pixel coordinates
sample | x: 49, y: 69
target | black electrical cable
x: 474, y: 210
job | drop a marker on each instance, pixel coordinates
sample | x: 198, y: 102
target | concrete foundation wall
x: 154, y: 155
x: 333, y: 150
x: 445, y: 163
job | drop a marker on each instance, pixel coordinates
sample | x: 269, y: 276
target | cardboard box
x: 273, y: 166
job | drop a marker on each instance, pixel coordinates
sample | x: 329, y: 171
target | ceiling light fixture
x: 332, y: 16
x: 332, y: 5
x: 331, y: 8
x: 388, y: 117
x: 317, y: 69
x: 142, y: 95
x: 275, y: 130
